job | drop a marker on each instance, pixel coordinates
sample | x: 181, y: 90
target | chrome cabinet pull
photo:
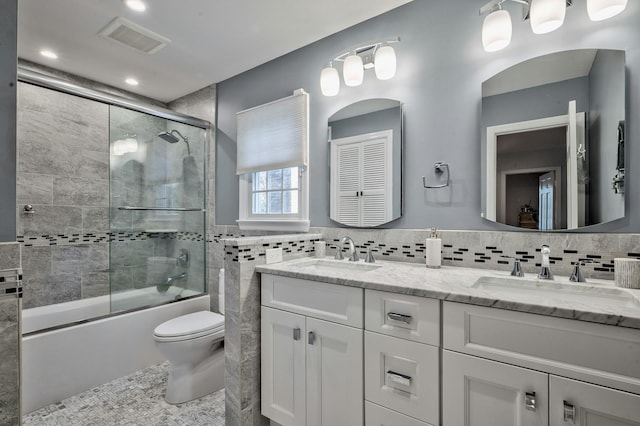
x: 311, y: 337
x: 530, y: 401
x: 569, y: 413
x: 296, y: 334
x: 399, y: 378
x: 399, y: 317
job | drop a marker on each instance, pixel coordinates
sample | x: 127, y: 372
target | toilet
x: 194, y: 346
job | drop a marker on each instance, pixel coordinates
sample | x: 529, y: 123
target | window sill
x: 274, y: 225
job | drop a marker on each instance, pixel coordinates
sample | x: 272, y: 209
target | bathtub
x: 63, y: 362
x: 59, y: 314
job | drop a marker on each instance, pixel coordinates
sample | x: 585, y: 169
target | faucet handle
x: 517, y: 266
x: 369, y: 258
x: 576, y: 275
x: 338, y: 255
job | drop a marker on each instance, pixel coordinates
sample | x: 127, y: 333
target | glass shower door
x: 157, y: 217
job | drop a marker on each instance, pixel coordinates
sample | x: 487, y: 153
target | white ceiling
x: 211, y: 40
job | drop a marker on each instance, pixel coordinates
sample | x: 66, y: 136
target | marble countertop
x: 596, y: 301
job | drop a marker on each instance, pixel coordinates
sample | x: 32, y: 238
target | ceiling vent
x: 127, y: 33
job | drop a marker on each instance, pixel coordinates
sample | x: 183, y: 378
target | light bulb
x: 137, y: 5
x: 385, y: 63
x: 547, y: 15
x: 49, y: 54
x: 353, y: 70
x: 604, y: 9
x: 329, y: 81
x: 496, y: 31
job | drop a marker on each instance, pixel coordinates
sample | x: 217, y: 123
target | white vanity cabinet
x: 401, y: 360
x: 312, y: 348
x: 505, y: 368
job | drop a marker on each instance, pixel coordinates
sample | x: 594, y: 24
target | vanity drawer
x: 408, y: 317
x: 596, y: 353
x: 336, y: 303
x: 402, y: 375
x: 375, y: 415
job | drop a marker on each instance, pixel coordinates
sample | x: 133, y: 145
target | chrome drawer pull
x: 399, y: 378
x: 399, y: 317
x: 311, y: 337
x: 569, y: 413
x: 530, y: 401
x: 296, y: 334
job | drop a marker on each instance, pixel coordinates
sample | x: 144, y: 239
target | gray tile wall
x: 10, y: 343
x: 202, y: 104
x: 63, y: 171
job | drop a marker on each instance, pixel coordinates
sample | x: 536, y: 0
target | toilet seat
x: 190, y: 326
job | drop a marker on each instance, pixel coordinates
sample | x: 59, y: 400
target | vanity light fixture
x: 545, y: 16
x: 377, y: 54
x: 48, y: 54
x: 599, y: 10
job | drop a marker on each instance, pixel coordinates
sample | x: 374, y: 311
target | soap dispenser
x: 433, y: 250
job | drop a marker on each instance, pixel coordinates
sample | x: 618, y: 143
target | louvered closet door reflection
x: 374, y: 183
x: 349, y: 166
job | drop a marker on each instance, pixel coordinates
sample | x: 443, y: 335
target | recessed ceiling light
x: 131, y: 81
x: 137, y: 5
x: 48, y: 54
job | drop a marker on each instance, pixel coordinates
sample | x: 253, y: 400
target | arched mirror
x: 366, y: 163
x: 553, y: 131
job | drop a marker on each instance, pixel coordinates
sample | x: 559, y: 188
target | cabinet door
x: 335, y: 394
x: 283, y: 367
x: 376, y: 181
x: 578, y: 403
x: 479, y: 392
x: 346, y: 208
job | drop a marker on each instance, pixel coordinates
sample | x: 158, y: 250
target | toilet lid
x: 195, y: 323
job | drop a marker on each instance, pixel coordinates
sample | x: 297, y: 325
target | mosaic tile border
x: 104, y: 237
x: 250, y: 253
x: 11, y: 284
x: 494, y: 256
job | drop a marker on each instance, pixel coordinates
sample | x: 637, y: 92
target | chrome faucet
x: 353, y: 254
x: 163, y: 287
x: 545, y: 272
x: 170, y: 280
x: 577, y: 276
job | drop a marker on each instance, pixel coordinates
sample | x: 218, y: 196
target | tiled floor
x: 137, y: 399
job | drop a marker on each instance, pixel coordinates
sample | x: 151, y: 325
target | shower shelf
x: 162, y: 209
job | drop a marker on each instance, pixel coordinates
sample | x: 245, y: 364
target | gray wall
x: 441, y: 65
x: 8, y: 63
x: 606, y: 90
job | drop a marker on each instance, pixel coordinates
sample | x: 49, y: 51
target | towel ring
x: 440, y: 168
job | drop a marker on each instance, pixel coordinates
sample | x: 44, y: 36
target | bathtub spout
x: 163, y: 287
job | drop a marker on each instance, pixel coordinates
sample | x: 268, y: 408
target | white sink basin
x: 574, y: 292
x: 328, y: 265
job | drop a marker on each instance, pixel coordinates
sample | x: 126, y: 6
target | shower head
x: 172, y: 138
x: 168, y: 137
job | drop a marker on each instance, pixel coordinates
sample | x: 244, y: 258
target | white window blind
x: 274, y: 135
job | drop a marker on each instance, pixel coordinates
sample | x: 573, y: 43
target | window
x: 274, y: 200
x: 275, y: 192
x: 272, y: 156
